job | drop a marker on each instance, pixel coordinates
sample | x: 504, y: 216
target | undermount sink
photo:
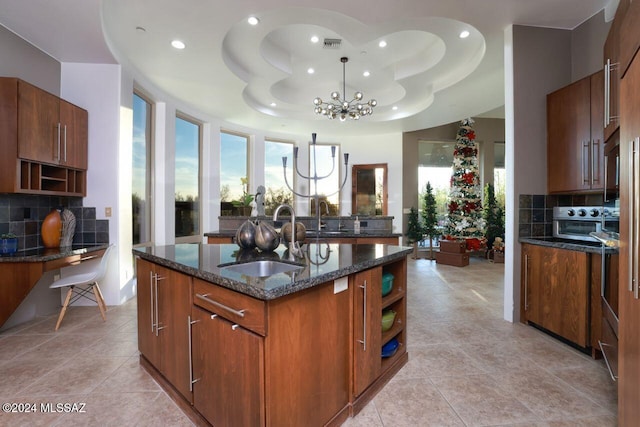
x: 262, y: 268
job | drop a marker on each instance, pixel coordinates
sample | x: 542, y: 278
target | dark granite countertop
x: 323, y: 262
x: 573, y: 245
x: 50, y: 254
x: 321, y: 234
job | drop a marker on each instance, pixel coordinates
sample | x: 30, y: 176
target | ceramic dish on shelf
x: 388, y: 316
x: 390, y: 348
x: 387, y: 284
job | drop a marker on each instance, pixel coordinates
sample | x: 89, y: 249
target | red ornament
x: 453, y: 206
x: 471, y: 135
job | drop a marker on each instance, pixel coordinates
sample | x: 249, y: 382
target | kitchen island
x: 300, y: 347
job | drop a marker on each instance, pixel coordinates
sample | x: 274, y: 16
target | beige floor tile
x: 414, y: 402
x: 130, y: 376
x: 77, y: 376
x: 479, y: 401
x: 368, y: 417
x: 549, y: 397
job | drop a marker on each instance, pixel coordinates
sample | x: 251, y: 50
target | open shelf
x: 39, y: 178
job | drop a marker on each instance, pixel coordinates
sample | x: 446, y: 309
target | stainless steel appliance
x: 577, y: 222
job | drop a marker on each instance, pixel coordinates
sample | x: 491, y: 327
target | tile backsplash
x: 22, y: 215
x: 535, y: 211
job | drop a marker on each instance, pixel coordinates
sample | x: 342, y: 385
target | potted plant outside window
x: 243, y: 205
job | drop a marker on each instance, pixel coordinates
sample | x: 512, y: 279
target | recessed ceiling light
x: 252, y: 20
x: 178, y: 44
x: 315, y: 39
x: 382, y: 43
x: 310, y: 70
x: 395, y: 107
x: 464, y: 34
x: 273, y: 104
x: 366, y: 74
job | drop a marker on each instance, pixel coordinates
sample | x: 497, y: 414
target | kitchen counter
x: 322, y: 262
x: 572, y: 245
x: 50, y: 254
x: 321, y: 235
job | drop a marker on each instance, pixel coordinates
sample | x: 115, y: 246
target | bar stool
x: 83, y: 285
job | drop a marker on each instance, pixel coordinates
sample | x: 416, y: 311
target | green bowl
x: 387, y: 284
x: 388, y: 316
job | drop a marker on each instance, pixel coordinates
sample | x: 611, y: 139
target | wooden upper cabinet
x: 612, y: 73
x: 38, y: 113
x: 74, y: 127
x: 575, y: 152
x: 43, y: 140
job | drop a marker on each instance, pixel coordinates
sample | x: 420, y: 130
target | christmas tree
x: 414, y: 230
x: 429, y: 217
x: 464, y: 218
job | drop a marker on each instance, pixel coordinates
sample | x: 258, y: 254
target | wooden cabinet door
x: 228, y: 366
x: 532, y: 283
x: 148, y: 343
x: 74, y: 122
x: 629, y: 304
x: 174, y: 309
x: 367, y: 288
x: 612, y: 73
x: 569, y: 137
x: 566, y: 294
x: 38, y: 113
x: 556, y: 292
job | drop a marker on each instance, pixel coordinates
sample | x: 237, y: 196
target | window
x: 321, y: 165
x: 234, y: 184
x: 187, y: 178
x: 499, y: 174
x: 141, y: 171
x: 277, y: 190
x: 435, y: 166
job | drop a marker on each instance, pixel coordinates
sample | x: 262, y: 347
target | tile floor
x: 467, y: 367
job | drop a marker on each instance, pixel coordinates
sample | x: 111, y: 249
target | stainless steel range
x: 576, y: 222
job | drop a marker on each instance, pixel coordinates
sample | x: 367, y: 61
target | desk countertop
x: 50, y: 254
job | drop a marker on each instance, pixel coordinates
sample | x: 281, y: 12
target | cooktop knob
x: 594, y: 212
x: 582, y: 212
x: 571, y: 212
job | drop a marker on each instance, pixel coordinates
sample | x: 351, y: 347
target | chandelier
x: 341, y: 108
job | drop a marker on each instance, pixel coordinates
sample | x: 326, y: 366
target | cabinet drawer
x: 246, y: 311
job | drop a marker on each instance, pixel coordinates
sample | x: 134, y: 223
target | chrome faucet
x: 319, y: 213
x: 294, y: 247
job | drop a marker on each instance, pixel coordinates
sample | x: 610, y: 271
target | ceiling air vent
x: 332, y: 43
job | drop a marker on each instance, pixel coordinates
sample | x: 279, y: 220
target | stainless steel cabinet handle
x: 58, y: 159
x: 607, y: 67
x: 158, y: 327
x: 65, y: 143
x: 152, y: 303
x: 239, y: 313
x: 363, y: 341
x: 634, y: 212
x: 606, y: 360
x: 526, y: 282
x: 585, y: 165
x: 189, y: 327
x: 595, y: 164
x: 606, y: 178
x: 234, y: 327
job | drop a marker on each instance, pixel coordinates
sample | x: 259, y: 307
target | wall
x: 96, y: 87
x: 537, y: 62
x: 23, y: 60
